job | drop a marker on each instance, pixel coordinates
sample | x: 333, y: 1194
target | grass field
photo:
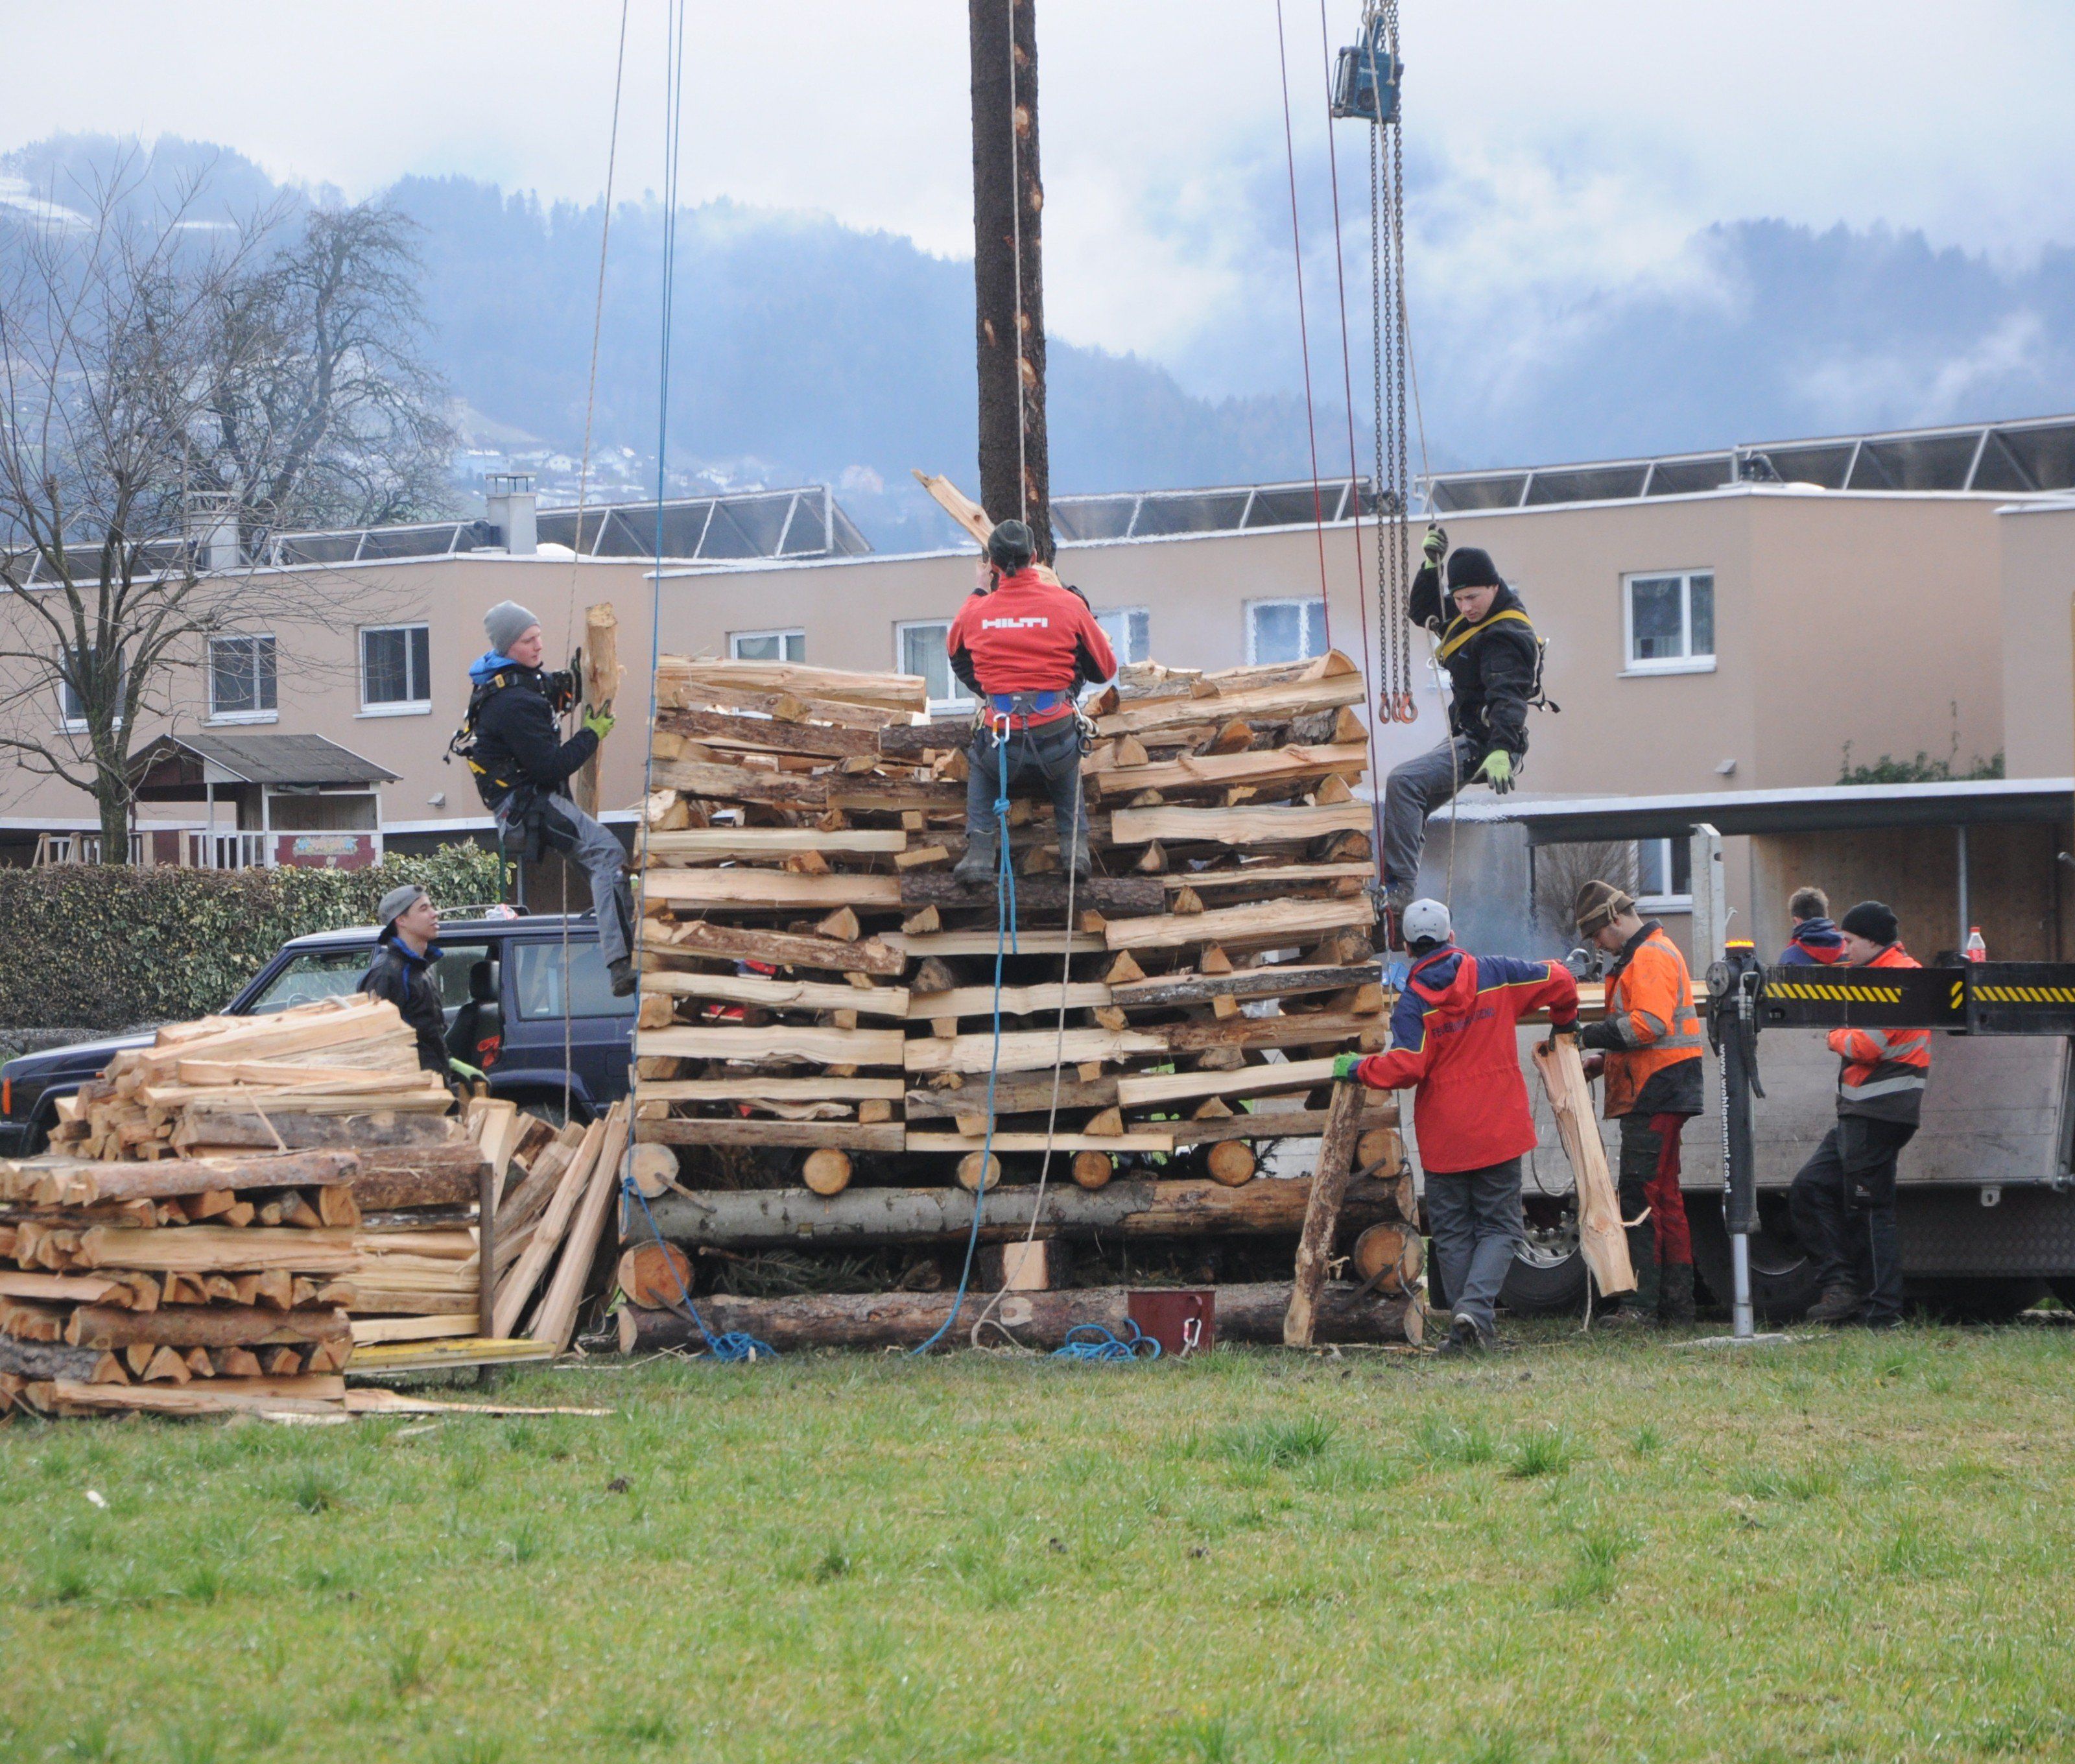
x: 1850, y: 1546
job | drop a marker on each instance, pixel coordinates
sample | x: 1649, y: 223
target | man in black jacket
x: 401, y: 972
x: 522, y: 767
x: 1490, y: 652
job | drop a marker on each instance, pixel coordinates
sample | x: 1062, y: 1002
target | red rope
x: 1303, y: 330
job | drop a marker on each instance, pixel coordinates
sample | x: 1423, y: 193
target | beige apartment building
x: 1718, y: 625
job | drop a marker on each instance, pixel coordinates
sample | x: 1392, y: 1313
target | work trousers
x: 1843, y: 1203
x: 1052, y: 751
x: 1649, y: 1178
x: 1474, y: 1218
x: 1414, y: 789
x: 566, y: 828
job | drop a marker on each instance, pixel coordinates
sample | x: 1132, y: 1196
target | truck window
x: 543, y: 982
x: 334, y: 973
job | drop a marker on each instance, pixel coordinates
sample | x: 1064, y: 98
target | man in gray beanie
x: 401, y: 972
x: 523, y: 766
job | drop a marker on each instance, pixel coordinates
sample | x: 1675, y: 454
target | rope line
x: 1095, y: 1342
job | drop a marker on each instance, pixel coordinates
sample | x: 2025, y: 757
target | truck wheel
x: 1982, y: 1300
x: 1783, y: 1277
x: 1548, y: 1276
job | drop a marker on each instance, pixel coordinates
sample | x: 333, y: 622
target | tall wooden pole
x: 1008, y: 281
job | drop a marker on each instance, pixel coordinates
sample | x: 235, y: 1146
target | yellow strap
x: 1454, y: 638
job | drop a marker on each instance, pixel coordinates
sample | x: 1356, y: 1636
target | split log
x: 775, y: 890
x: 716, y: 845
x: 417, y: 1176
x: 556, y: 1319
x: 306, y: 1394
x: 1014, y: 1094
x: 101, y: 1183
x: 750, y: 1087
x: 1278, y: 1122
x: 768, y: 734
x: 1023, y: 1051
x: 781, y: 949
x: 747, y: 1218
x: 1295, y: 698
x: 1269, y: 765
x: 717, y: 1130
x: 1041, y: 896
x: 1238, y: 826
x: 899, y: 691
x: 1361, y: 1033
x: 779, y: 1041
x: 1322, y: 1212
x: 516, y: 1288
x: 881, y: 1320
x: 1600, y: 1236
x: 228, y: 1124
x: 601, y: 686
x: 1142, y: 1140
x: 1248, y: 1081
x: 1042, y: 1000
x: 215, y: 1248
x: 1263, y: 923
x: 204, y: 1326
x: 910, y: 741
x: 1277, y: 980
x: 779, y: 994
x: 1040, y: 941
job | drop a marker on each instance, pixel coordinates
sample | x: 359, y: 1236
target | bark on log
x: 1280, y: 1123
x: 1247, y: 1313
x: 886, y: 1136
x: 1321, y: 1211
x: 1014, y: 1094
x: 1278, y: 980
x: 768, y: 734
x: 1044, y: 897
x: 228, y: 1124
x: 1391, y: 1255
x: 782, y: 949
x: 655, y: 1276
x: 205, y: 1325
x: 48, y: 1360
x: 101, y: 1184
x: 745, y: 1218
x: 419, y: 1176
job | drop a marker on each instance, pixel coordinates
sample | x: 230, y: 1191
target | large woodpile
x: 227, y: 1215
x: 816, y: 1029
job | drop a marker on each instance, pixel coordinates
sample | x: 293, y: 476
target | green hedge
x: 105, y: 946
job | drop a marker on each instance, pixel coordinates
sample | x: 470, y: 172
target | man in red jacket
x: 1452, y: 1043
x: 1026, y: 646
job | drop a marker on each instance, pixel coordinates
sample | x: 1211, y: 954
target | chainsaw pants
x: 1052, y: 751
x: 1649, y: 1178
x: 1414, y: 789
x: 1474, y: 1218
x: 565, y: 828
x: 1843, y: 1202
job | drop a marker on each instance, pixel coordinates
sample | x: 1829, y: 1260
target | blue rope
x: 1004, y: 938
x: 737, y: 1344
x: 1093, y: 1342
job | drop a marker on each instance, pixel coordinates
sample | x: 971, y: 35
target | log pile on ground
x: 817, y: 1023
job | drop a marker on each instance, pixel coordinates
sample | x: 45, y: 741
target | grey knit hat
x: 507, y: 623
x: 397, y: 902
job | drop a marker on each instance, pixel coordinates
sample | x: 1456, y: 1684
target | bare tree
x: 135, y: 338
x: 1560, y: 871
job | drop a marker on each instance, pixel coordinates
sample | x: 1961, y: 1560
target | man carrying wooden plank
x: 1025, y: 645
x: 1648, y: 1045
x: 1453, y: 1045
x: 522, y: 769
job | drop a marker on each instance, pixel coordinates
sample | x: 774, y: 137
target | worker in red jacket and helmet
x: 1026, y: 646
x: 1453, y: 1045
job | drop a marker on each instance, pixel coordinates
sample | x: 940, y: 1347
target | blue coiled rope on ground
x: 736, y: 1345
x: 1005, y: 939
x: 1093, y: 1342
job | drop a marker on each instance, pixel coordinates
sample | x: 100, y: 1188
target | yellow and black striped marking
x: 1835, y: 991
x: 2026, y: 995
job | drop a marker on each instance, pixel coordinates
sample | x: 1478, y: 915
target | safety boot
x: 1674, y: 1295
x: 1839, y: 1304
x: 977, y: 868
x: 624, y: 979
x: 1464, y: 1340
x: 1073, y: 856
x: 1641, y: 1304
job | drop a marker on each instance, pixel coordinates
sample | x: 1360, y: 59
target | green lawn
x: 1851, y: 1547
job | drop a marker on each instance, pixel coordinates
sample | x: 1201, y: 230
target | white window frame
x: 71, y: 724
x: 1126, y: 614
x: 402, y: 707
x: 785, y: 634
x: 1663, y: 903
x: 960, y: 698
x: 1305, y: 602
x: 1687, y: 663
x: 253, y: 637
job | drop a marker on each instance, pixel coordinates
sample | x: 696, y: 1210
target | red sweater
x: 1029, y: 635
x: 1454, y: 1047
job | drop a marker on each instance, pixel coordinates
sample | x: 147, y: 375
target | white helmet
x: 1426, y: 921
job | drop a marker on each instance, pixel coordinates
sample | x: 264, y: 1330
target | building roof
x: 1827, y: 808
x: 1230, y: 508
x: 304, y: 760
x: 2004, y: 459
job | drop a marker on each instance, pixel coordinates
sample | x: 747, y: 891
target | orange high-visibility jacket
x: 1885, y: 1070
x: 1649, y: 1005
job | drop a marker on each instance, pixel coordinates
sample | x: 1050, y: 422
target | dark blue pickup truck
x: 504, y: 981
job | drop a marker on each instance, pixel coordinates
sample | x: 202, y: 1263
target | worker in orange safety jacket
x: 1843, y: 1199
x: 1649, y: 1048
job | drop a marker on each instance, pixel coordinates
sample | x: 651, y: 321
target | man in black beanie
x: 1492, y: 656
x: 1843, y: 1200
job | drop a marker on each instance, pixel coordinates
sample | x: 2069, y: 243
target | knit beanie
x: 1598, y: 905
x: 1470, y: 567
x: 507, y: 623
x: 1872, y: 921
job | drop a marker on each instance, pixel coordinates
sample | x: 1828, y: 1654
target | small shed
x: 268, y: 799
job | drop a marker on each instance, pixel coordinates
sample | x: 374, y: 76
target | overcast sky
x: 1559, y: 142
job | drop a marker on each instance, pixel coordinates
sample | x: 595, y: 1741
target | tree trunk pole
x: 1322, y: 1211
x: 1008, y: 282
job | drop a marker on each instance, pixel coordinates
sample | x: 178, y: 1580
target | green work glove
x: 599, y: 722
x: 1343, y: 1066
x: 1497, y: 770
x: 1436, y: 546
x: 472, y: 1074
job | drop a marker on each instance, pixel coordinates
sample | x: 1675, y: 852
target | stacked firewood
x: 818, y: 989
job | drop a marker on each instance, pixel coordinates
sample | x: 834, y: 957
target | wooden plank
x: 839, y: 1135
x: 777, y: 1040
x: 88, y: 1185
x: 717, y: 783
x: 602, y: 675
x: 921, y: 945
x: 783, y: 994
x: 1321, y: 1211
x: 1138, y: 1140
x: 1290, y: 699
x: 768, y: 734
x: 438, y: 1356
x: 1240, y: 924
x: 219, y: 1249
x: 1302, y: 1029
x: 712, y: 844
x: 772, y: 888
x: 556, y: 1319
x: 1268, y: 877
x: 371, y: 1331
x: 1213, y: 771
x: 752, y: 1087
x: 1277, y: 979
x: 1600, y: 1237
x: 307, y: 1393
x: 61, y: 1289
x: 1043, y: 894
x: 910, y: 741
x: 1266, y: 825
x: 1249, y: 1081
x: 782, y: 949
x: 889, y: 691
x: 1015, y: 1000
x: 1014, y: 1094
x: 1025, y: 1049
x: 204, y: 1326
x: 516, y: 1288
x: 1382, y: 1110
x: 679, y: 693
